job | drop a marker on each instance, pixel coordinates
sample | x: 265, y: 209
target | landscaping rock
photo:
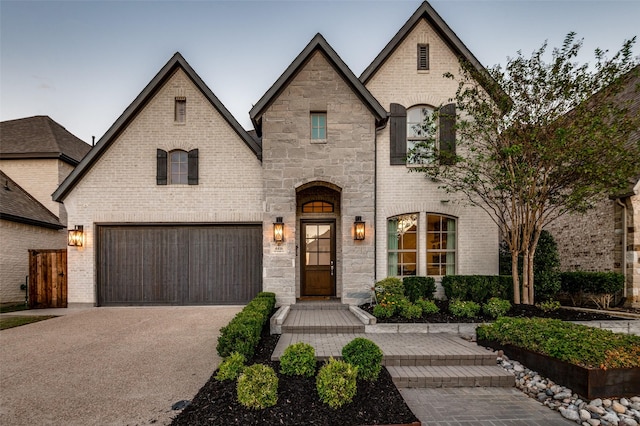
x: 594, y: 422
x: 611, y: 418
x: 596, y: 402
x: 595, y: 408
x: 569, y: 414
x: 584, y: 415
x: 618, y: 407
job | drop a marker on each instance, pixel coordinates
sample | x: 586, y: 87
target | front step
x: 451, y: 376
x: 321, y: 318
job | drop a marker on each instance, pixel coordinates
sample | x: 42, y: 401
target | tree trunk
x: 530, y: 272
x: 515, y: 277
x: 525, y: 277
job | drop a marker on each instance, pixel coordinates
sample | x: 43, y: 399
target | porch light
x: 75, y: 236
x: 358, y: 226
x: 278, y: 230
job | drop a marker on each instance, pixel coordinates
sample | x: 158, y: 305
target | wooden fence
x: 47, y: 278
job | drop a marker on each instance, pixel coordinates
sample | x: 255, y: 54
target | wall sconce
x: 75, y: 236
x: 278, y: 230
x: 358, y: 226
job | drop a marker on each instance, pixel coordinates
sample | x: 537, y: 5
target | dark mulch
x: 298, y: 404
x: 520, y: 311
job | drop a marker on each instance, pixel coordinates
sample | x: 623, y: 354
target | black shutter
x: 447, y: 128
x: 161, y: 167
x: 193, y: 167
x: 398, y: 134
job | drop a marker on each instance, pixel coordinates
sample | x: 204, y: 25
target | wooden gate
x: 47, y: 278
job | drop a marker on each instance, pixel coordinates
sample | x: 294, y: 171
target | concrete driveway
x: 108, y: 366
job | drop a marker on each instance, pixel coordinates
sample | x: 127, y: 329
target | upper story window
x: 177, y: 167
x: 421, y: 135
x: 180, y: 110
x: 402, y: 232
x: 318, y: 125
x: 317, y: 207
x: 423, y: 57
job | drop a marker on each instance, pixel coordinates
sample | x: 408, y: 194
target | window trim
x: 442, y: 251
x: 412, y: 140
x: 319, y: 114
x: 398, y: 252
x: 170, y: 174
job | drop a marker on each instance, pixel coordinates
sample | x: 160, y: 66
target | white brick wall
x: 121, y: 185
x: 17, y: 239
x: 399, y: 191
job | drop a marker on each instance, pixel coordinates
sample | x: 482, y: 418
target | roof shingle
x: 17, y: 205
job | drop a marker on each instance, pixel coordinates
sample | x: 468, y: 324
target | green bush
x: 466, y: 308
x: 258, y: 387
x: 231, y: 367
x: 365, y: 355
x: 419, y: 287
x: 477, y: 288
x: 336, y: 383
x: 549, y: 305
x: 573, y: 343
x: 591, y: 282
x: 428, y: 306
x: 384, y: 311
x: 410, y: 310
x: 389, y: 286
x: 299, y: 359
x: 496, y: 308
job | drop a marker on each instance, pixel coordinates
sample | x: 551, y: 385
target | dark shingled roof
x: 17, y: 205
x: 39, y: 137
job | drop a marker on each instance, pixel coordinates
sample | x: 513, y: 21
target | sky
x: 83, y: 62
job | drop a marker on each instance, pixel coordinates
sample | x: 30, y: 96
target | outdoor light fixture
x: 278, y: 230
x: 75, y: 236
x: 358, y: 226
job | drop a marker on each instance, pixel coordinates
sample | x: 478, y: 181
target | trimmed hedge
x: 419, y: 287
x: 242, y: 334
x: 573, y: 343
x: 478, y: 288
x: 591, y: 282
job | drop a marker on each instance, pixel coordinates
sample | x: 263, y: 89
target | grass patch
x: 13, y: 308
x: 11, y: 322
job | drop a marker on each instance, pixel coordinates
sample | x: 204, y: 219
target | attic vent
x: 180, y: 109
x: 423, y: 57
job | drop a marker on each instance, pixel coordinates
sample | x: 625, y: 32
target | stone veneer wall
x: 345, y: 159
x: 121, y: 186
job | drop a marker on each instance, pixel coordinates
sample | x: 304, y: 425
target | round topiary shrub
x: 258, y: 387
x: 336, y: 383
x: 496, y: 307
x: 299, y: 359
x: 365, y: 355
x: 231, y: 367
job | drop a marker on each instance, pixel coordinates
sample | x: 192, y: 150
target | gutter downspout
x: 624, y: 243
x: 375, y: 199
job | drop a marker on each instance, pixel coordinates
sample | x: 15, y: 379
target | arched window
x: 402, y: 232
x: 317, y: 207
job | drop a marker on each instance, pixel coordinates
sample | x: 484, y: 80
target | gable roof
x: 425, y: 11
x: 40, y: 137
x: 317, y: 43
x: 17, y: 205
x: 176, y: 62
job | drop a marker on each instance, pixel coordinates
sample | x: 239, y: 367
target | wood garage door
x: 178, y: 265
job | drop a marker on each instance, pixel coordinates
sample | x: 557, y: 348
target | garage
x: 178, y: 264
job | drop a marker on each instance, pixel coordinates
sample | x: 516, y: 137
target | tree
x: 536, y: 141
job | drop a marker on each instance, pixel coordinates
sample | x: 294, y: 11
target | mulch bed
x: 298, y: 403
x: 520, y: 311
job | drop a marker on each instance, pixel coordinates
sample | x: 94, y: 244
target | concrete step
x: 451, y: 376
x: 322, y: 305
x: 323, y: 320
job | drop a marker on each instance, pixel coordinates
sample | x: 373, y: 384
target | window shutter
x: 161, y: 167
x: 447, y: 127
x: 423, y: 56
x: 193, y: 167
x: 398, y: 134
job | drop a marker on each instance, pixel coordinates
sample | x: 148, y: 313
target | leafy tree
x: 540, y: 140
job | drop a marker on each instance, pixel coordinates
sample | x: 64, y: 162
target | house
x: 36, y: 155
x: 180, y: 205
x: 610, y: 233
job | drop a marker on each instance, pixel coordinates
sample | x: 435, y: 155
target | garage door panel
x: 160, y: 271
x: 123, y: 279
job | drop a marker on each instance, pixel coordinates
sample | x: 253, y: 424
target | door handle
x: 332, y: 268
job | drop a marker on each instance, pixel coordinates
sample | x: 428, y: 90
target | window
x: 441, y: 245
x: 317, y: 207
x: 402, y: 245
x: 180, y: 113
x: 177, y: 167
x: 423, y: 57
x: 421, y: 135
x: 318, y: 125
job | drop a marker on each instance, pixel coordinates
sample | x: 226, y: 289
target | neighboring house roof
x: 177, y: 61
x: 630, y: 96
x: 17, y: 205
x: 425, y: 11
x: 318, y: 43
x: 40, y: 137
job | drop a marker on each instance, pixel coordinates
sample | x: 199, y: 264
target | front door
x: 318, y: 258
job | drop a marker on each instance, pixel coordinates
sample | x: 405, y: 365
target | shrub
x: 242, y: 334
x: 231, y: 367
x: 336, y: 383
x: 477, y: 288
x: 365, y: 355
x: 496, y: 308
x: 549, y: 305
x: 384, y: 311
x: 419, y: 287
x: 428, y: 306
x: 461, y: 308
x: 389, y: 286
x: 409, y: 310
x: 258, y: 387
x: 299, y: 359
x: 573, y: 343
x: 598, y: 287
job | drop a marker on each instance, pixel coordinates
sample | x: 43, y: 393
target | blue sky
x: 83, y: 62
